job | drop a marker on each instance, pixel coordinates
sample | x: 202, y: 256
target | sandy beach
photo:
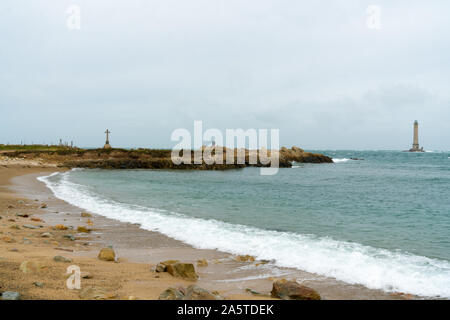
x: 29, y: 212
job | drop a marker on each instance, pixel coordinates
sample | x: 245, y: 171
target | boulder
x: 107, y: 254
x: 162, y: 266
x: 194, y: 292
x: 182, y: 270
x: 61, y: 259
x: 86, y: 215
x: 44, y: 205
x: 171, y: 294
x: 291, y: 290
x: 86, y: 275
x: 29, y: 267
x: 46, y: 235
x: 10, y: 295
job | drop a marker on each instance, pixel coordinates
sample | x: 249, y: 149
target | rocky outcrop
x: 291, y: 290
x: 155, y: 159
x: 299, y: 155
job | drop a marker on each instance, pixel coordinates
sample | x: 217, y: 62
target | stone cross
x: 107, y: 145
x: 107, y: 136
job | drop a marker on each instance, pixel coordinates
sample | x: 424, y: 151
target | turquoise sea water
x: 383, y: 222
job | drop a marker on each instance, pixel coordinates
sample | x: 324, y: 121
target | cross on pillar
x: 107, y: 136
x: 107, y: 145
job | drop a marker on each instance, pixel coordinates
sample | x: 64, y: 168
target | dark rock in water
x: 194, y: 292
x: 171, y: 294
x: 10, y: 295
x: 291, y: 290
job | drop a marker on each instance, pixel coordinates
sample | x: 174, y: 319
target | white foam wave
x: 337, y: 160
x: 349, y: 262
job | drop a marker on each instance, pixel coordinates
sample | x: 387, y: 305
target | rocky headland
x: 65, y: 157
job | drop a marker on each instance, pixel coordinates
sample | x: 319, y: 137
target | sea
x: 382, y: 221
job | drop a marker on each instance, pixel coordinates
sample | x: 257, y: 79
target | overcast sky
x: 143, y: 68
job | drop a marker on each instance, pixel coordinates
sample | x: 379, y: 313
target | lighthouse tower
x: 415, y: 146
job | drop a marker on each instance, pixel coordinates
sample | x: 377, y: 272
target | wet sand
x: 137, y: 250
